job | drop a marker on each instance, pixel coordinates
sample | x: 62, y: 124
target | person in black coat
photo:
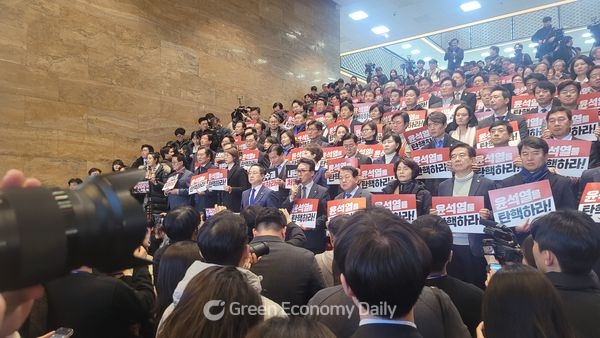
x: 406, y: 170
x: 157, y: 176
x: 237, y: 181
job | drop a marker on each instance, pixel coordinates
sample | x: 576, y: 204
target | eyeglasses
x: 349, y: 145
x: 572, y: 92
x: 366, y: 129
x: 559, y: 120
x: 461, y: 155
x: 594, y: 76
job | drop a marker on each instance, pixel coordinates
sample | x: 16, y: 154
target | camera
x: 47, y: 232
x: 240, y: 114
x: 409, y: 66
x: 503, y: 244
x: 259, y: 249
x: 369, y: 67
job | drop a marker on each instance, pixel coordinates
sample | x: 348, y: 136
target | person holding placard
x: 468, y: 263
x: 350, y: 143
x: 178, y: 183
x: 237, y: 181
x: 499, y: 102
x: 436, y: 124
x: 391, y: 145
x: 306, y: 188
x: 534, y: 154
x: 406, y: 170
x: 349, y: 185
x: 204, y: 199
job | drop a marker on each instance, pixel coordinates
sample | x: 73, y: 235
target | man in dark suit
x: 500, y: 103
x: 349, y: 185
x: 204, y: 199
x: 436, y: 124
x: 315, y: 238
x: 314, y: 129
x: 466, y: 296
x: 534, y: 154
x: 258, y: 194
x: 179, y: 195
x: 373, y: 234
x: 350, y: 144
x: 290, y: 274
x: 447, y: 87
x: 252, y: 144
x: 566, y: 245
x: 277, y: 160
x: 470, y: 99
x: 544, y: 96
x: 468, y: 263
x: 558, y: 127
x: 141, y: 161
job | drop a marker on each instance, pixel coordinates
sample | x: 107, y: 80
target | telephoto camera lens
x: 47, y: 232
x: 259, y: 249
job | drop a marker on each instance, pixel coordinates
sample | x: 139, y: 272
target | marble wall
x: 83, y: 82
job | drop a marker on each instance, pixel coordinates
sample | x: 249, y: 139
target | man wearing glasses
x: 314, y: 129
x: 306, y: 188
x: 350, y: 144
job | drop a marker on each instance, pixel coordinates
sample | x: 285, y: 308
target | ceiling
x: 409, y: 18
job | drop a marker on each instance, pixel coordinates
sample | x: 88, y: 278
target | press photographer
x: 454, y: 55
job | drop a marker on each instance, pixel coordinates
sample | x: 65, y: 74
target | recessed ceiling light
x: 386, y: 35
x: 589, y: 41
x: 485, y: 54
x: 380, y: 29
x: 427, y: 58
x: 509, y: 50
x: 532, y: 45
x: 415, y: 51
x: 470, y: 6
x: 358, y: 15
x: 406, y: 46
x: 586, y: 35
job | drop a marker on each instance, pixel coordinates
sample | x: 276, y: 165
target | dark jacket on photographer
x: 454, y: 60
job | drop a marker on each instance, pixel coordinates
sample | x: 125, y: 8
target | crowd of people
x: 205, y: 232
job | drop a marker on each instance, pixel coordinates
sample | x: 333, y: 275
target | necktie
x: 303, y: 192
x: 544, y: 110
x: 439, y: 144
x: 500, y: 118
x: 347, y: 195
x: 252, y: 196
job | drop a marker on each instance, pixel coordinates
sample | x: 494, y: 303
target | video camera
x: 595, y: 30
x: 503, y: 244
x: 47, y: 232
x: 240, y: 114
x: 369, y: 67
x: 409, y: 66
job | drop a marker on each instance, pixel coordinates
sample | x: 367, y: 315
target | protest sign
x: 590, y: 200
x: 290, y: 175
x: 589, y: 101
x: 217, y: 179
x: 513, y: 205
x: 270, y: 180
x: 371, y: 150
x: 483, y: 136
x: 403, y: 205
x: 198, y: 183
x: 249, y: 158
x: 171, y: 182
x: 498, y: 163
x: 416, y: 119
x: 571, y: 158
x: 334, y: 165
x: 433, y: 162
x: 418, y: 138
x: 584, y: 123
x: 304, y: 212
x: 523, y: 104
x: 345, y: 206
x: 374, y: 177
x: 535, y: 123
x: 460, y: 212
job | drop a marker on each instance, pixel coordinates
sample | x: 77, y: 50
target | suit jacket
x: 237, y: 179
x: 209, y: 198
x: 449, y: 141
x: 381, y: 160
x: 182, y: 196
x: 359, y: 193
x: 523, y: 131
x: 562, y: 189
x: 470, y: 99
x: 265, y: 197
x: 438, y: 102
x: 386, y: 330
x: 479, y: 187
x: 362, y: 159
x: 289, y: 273
x: 315, y: 238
